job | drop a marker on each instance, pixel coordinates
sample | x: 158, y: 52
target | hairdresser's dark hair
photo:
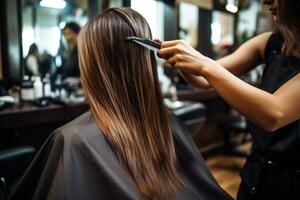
x: 288, y: 24
x: 120, y: 80
x: 33, y: 49
x: 72, y: 26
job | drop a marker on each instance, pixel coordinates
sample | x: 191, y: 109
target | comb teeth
x: 146, y: 43
x: 143, y: 40
x: 131, y: 38
x: 128, y: 39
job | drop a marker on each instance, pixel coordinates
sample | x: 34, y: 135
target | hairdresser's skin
x: 269, y: 111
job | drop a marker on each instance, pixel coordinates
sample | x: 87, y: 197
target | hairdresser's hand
x: 185, y: 58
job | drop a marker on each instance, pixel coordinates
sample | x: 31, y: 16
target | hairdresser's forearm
x: 257, y: 105
x: 200, y: 81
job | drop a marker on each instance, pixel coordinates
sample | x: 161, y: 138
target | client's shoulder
x: 81, y: 129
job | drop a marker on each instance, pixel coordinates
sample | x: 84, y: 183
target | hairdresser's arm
x: 245, y: 58
x: 270, y: 111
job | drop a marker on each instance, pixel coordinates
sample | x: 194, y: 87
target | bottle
x: 173, y: 92
x: 27, y: 93
x: 16, y: 93
x: 38, y: 88
x: 58, y: 85
x: 47, y: 86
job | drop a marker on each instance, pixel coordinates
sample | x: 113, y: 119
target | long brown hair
x: 289, y: 26
x: 120, y: 81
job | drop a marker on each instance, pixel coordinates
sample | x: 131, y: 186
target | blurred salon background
x: 40, y: 86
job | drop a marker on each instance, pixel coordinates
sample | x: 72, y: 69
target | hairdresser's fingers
x: 156, y: 39
x: 188, y: 63
x: 170, y: 43
x: 174, y: 59
x: 185, y: 67
x: 167, y: 52
x: 177, y: 61
x: 168, y: 65
x: 165, y: 57
x: 165, y: 62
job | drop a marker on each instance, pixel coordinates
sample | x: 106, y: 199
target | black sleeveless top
x: 283, y: 146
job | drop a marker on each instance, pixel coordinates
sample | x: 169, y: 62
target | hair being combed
x: 120, y: 81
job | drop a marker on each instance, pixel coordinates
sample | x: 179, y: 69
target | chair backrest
x: 3, y: 189
x: 13, y: 163
x: 192, y: 115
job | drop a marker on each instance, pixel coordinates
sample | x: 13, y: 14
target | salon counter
x: 26, y: 124
x: 26, y: 114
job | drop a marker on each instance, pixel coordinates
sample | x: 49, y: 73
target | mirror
x: 189, y: 23
x: 115, y: 3
x: 222, y: 34
x: 49, y: 37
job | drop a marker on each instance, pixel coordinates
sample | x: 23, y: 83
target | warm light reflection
x: 215, y: 33
x: 27, y: 39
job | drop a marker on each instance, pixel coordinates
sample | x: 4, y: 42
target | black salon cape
x: 77, y: 163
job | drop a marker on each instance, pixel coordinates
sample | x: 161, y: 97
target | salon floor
x: 226, y: 170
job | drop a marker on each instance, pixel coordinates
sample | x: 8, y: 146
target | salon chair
x: 192, y: 115
x: 13, y: 163
x: 231, y: 128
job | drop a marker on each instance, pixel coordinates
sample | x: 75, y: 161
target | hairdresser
x: 70, y: 67
x: 272, y: 171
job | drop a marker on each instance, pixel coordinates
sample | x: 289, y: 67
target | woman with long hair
x: 272, y: 171
x: 32, y: 61
x: 128, y: 146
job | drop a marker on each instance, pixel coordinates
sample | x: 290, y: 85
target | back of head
x: 120, y: 81
x: 33, y: 49
x: 71, y: 31
x: 73, y: 26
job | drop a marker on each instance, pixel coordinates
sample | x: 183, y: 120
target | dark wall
x: 170, y: 18
x: 204, y: 34
x: 11, y: 41
x: 1, y: 62
x: 126, y: 3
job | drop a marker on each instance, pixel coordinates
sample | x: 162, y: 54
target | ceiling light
x: 231, y: 8
x: 57, y: 4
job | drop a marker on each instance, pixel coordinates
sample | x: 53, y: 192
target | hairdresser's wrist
x: 207, y: 67
x: 214, y: 72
